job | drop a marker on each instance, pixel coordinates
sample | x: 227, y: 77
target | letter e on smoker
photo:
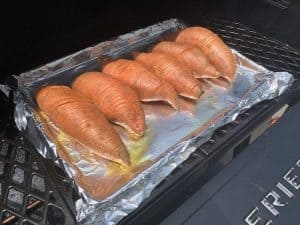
x: 291, y: 179
x: 254, y: 218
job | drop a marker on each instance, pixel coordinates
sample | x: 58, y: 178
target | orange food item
x: 148, y: 86
x: 78, y: 117
x: 168, y: 68
x: 213, y: 47
x: 116, y: 100
x: 190, y: 56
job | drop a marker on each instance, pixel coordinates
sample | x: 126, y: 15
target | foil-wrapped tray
x: 108, y: 193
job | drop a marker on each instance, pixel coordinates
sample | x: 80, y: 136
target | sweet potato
x: 148, y: 86
x: 118, y: 102
x: 78, y: 117
x: 168, y: 68
x: 213, y: 47
x: 189, y: 55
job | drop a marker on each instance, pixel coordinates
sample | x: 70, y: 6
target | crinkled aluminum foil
x: 171, y: 136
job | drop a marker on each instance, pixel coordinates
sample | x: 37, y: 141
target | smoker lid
x: 258, y: 187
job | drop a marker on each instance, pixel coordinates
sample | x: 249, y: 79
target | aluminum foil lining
x: 169, y: 140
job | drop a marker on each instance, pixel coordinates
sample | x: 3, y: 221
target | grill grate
x: 34, y: 191
x: 27, y: 193
x: 281, y: 4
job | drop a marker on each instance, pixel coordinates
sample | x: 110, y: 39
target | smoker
x: 34, y: 190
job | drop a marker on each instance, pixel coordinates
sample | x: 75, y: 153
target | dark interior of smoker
x: 266, y: 31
